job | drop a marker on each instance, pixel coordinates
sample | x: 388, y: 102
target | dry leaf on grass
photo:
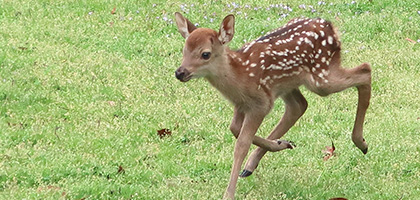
x: 111, y: 103
x: 164, y: 132
x: 329, y: 151
x: 121, y: 170
x: 410, y: 40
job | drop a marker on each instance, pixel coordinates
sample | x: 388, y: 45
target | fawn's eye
x: 205, y: 55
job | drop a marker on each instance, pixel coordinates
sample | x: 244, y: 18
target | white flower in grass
x: 282, y: 16
x: 302, y: 6
x: 235, y: 5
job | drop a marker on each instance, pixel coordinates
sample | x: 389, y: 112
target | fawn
x: 303, y: 52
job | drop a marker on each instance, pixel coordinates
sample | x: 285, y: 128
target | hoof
x: 365, y: 151
x: 289, y: 144
x: 245, y: 173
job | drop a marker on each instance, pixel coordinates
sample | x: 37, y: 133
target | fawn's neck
x: 229, y: 76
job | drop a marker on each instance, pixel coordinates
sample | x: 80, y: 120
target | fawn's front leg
x: 237, y: 121
x: 250, y: 126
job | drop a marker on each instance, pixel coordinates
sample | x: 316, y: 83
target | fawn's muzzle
x: 182, y: 74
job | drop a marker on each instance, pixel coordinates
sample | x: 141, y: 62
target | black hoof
x: 245, y: 173
x: 365, y: 151
x: 290, y: 144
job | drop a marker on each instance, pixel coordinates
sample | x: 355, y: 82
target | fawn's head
x: 203, y: 47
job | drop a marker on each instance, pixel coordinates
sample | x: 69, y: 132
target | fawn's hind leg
x: 340, y: 79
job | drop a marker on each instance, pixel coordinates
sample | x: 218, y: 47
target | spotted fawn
x: 303, y: 52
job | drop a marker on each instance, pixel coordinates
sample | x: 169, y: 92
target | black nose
x: 179, y: 74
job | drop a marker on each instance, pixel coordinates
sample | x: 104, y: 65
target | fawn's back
x: 303, y: 47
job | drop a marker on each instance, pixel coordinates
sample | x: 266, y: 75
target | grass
x: 84, y: 91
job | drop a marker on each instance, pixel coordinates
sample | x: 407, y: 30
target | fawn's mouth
x: 187, y: 78
x: 183, y: 75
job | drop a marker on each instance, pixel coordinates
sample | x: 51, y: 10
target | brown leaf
x: 410, y: 40
x: 113, y: 10
x: 164, y: 132
x: 120, y: 170
x: 111, y: 103
x: 329, y: 151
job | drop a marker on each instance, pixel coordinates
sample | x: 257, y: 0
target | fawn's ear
x: 185, y: 27
x: 227, y: 29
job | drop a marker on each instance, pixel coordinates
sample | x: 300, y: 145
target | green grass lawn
x: 84, y: 89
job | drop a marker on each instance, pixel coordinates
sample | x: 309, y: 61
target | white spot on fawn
x: 309, y: 42
x: 316, y: 36
x: 330, y: 40
x: 264, y: 81
x: 274, y: 67
x: 325, y: 72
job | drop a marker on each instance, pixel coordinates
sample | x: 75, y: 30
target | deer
x: 305, y: 51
